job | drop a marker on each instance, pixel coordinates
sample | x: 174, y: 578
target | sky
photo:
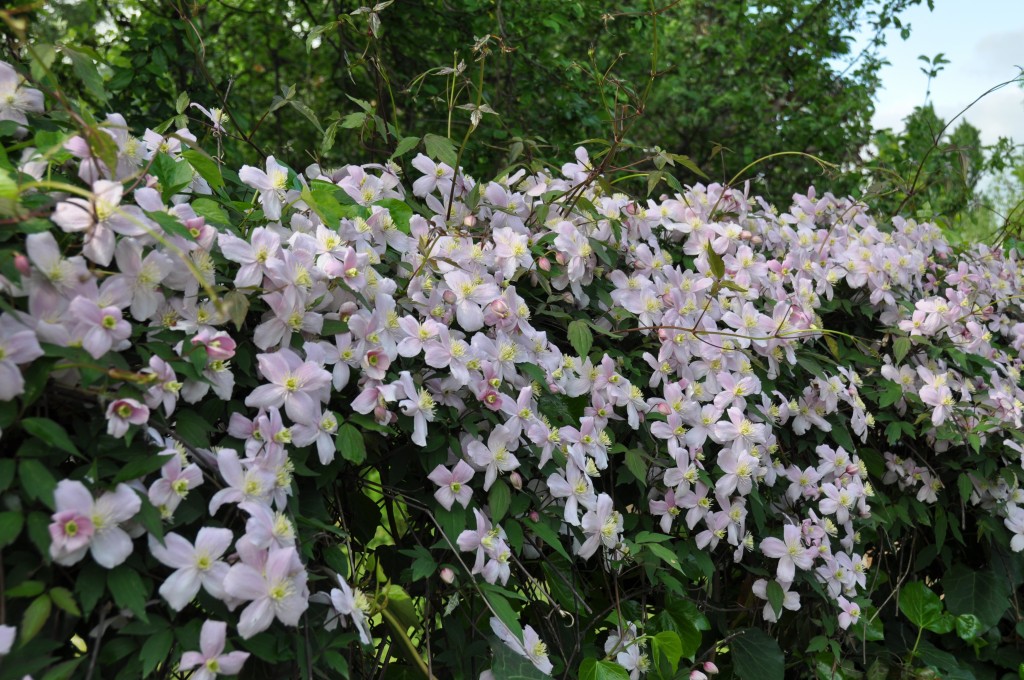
x: 983, y: 40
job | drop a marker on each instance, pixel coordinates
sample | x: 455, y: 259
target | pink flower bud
x: 710, y: 667
x: 697, y: 675
x: 664, y: 409
x: 559, y: 258
x: 745, y: 235
x: 449, y: 297
x: 544, y: 264
x: 631, y: 209
x: 517, y: 481
x: 852, y: 469
x: 21, y: 264
x: 500, y: 308
x: 534, y: 516
x: 447, y: 575
x: 757, y: 240
x: 469, y: 221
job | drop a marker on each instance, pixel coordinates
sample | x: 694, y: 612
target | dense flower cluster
x: 358, y: 305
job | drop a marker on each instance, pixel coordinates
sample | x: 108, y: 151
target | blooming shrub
x: 346, y: 423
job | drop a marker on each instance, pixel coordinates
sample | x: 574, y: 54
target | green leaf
x: 154, y: 651
x: 668, y: 644
x: 206, y: 166
x: 548, y: 535
x: 37, y: 480
x: 775, y: 596
x: 504, y: 610
x: 405, y: 145
x: 499, y: 498
x: 921, y: 606
x: 349, y: 442
x: 665, y: 555
x: 34, y: 618
x: 86, y: 71
x: 128, y: 590
x: 11, y: 523
x: 441, y: 148
x: 592, y: 669
x: 308, y: 113
x: 64, y: 600
x: 968, y: 627
x: 636, y: 464
x: 65, y: 670
x: 173, y: 175
x: 980, y: 593
x: 580, y: 337
x: 900, y: 348
x: 399, y: 211
x: 716, y: 262
x: 52, y: 433
x: 757, y: 656
x: 212, y: 211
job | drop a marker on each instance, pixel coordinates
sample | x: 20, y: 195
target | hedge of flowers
x: 387, y: 421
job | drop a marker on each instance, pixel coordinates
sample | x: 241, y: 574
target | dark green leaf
x: 757, y: 656
x: 592, y: 669
x: 978, y: 592
x: 11, y: 523
x: 52, y: 433
x: 206, y: 166
x: 920, y: 605
x: 34, y: 618
x: 349, y: 442
x: 155, y: 649
x: 37, y: 480
x: 128, y: 589
x: 441, y: 148
x: 64, y: 600
x: 580, y: 337
x: 499, y: 498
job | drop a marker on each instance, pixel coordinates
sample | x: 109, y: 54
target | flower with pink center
x: 122, y: 413
x: 454, y: 484
x: 211, y: 661
x: 219, y: 345
x: 81, y: 523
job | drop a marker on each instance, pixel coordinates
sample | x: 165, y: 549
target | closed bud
x: 447, y: 575
x: 21, y: 264
x: 710, y: 667
x: 450, y: 297
x: 534, y: 516
x: 697, y: 675
x: 853, y: 469
x: 559, y: 258
x: 664, y: 409
x: 517, y: 481
x: 500, y: 308
x: 745, y: 235
x: 469, y: 221
x: 544, y: 264
x: 757, y: 240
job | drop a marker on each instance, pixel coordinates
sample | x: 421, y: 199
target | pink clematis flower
x: 293, y: 383
x: 454, y: 484
x: 195, y: 566
x: 275, y: 589
x: 271, y: 184
x: 123, y: 413
x: 81, y: 523
x: 211, y: 660
x: 18, y: 345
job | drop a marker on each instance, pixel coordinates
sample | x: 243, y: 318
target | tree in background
x: 723, y: 82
